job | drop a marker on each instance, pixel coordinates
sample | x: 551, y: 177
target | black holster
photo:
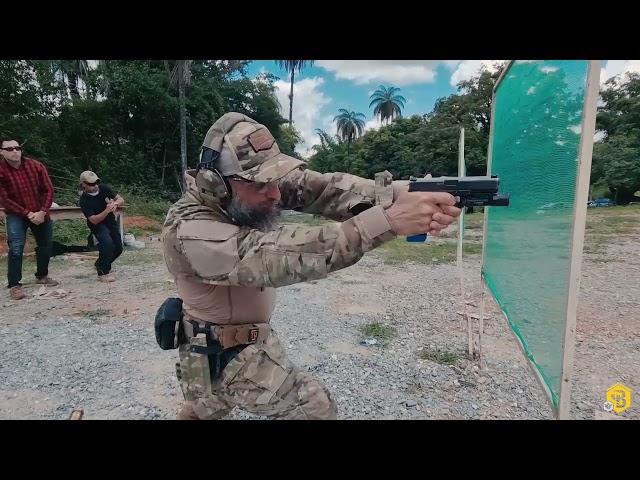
x: 218, y: 356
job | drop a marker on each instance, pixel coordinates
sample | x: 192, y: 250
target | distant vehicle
x: 603, y: 202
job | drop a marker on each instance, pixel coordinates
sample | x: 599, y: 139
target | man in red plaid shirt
x: 26, y: 193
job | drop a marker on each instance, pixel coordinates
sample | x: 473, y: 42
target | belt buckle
x: 253, y: 335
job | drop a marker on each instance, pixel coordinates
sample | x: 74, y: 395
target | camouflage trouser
x: 260, y: 380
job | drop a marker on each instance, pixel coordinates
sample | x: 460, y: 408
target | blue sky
x: 333, y: 84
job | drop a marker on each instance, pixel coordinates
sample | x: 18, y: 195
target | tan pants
x: 260, y: 380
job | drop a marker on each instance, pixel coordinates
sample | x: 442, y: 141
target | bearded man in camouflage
x: 227, y: 255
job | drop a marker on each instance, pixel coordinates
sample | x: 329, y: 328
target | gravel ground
x: 95, y: 349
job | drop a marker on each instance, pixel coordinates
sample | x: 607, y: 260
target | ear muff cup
x: 212, y: 187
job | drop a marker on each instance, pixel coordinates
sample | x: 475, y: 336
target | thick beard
x: 246, y: 216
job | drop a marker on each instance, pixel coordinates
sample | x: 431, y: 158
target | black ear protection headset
x: 211, y: 181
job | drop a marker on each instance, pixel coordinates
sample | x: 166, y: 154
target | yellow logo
x: 618, y: 398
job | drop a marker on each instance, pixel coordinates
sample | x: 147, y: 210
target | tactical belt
x: 228, y: 336
x: 224, y: 342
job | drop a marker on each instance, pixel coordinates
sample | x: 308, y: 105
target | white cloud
x: 373, y: 124
x: 308, y: 100
x: 397, y: 72
x: 451, y: 64
x: 328, y: 125
x: 469, y: 68
x: 616, y: 67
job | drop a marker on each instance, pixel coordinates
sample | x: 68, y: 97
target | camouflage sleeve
x: 338, y: 196
x: 226, y: 254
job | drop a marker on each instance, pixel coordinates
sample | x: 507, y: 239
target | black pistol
x: 478, y: 191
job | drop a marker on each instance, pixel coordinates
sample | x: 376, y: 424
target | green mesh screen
x: 534, y: 140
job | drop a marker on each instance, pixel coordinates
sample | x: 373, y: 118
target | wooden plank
x: 501, y: 77
x: 579, y: 219
x: 73, y: 213
x: 65, y: 213
x: 462, y: 173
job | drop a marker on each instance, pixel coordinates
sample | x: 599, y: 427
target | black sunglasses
x: 11, y: 149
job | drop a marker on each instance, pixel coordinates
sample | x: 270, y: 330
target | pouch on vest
x: 168, y: 324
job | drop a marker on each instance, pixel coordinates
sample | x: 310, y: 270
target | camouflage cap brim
x: 273, y: 169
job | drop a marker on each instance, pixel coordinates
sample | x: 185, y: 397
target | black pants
x: 109, y: 245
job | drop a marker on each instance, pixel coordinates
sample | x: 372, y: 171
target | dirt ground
x: 94, y: 347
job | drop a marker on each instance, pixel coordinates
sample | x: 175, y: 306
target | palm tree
x: 180, y: 75
x: 350, y: 125
x: 388, y: 105
x: 291, y: 66
x: 325, y: 139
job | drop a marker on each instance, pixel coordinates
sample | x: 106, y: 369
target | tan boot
x: 47, y: 281
x: 16, y: 293
x: 106, y: 278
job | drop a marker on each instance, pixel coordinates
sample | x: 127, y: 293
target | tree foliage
x: 419, y: 144
x: 124, y: 121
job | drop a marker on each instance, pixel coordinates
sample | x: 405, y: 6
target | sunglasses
x: 11, y: 149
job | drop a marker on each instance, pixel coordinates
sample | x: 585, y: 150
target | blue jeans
x: 16, y: 235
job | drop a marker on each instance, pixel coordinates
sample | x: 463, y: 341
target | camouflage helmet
x: 247, y: 149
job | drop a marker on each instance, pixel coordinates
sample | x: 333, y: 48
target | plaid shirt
x: 25, y: 189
